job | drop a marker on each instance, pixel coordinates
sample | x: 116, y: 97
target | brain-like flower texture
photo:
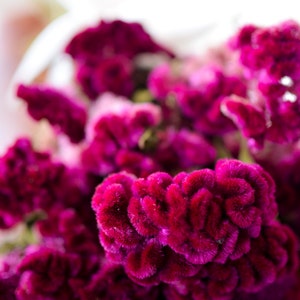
x: 154, y: 225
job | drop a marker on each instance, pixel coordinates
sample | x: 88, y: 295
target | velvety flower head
x: 182, y: 150
x: 249, y: 119
x: 202, y: 217
x: 283, y: 164
x: 27, y: 181
x: 274, y: 49
x: 271, y: 261
x: 62, y: 112
x: 198, y: 100
x: 115, y: 138
x: 71, y: 230
x: 270, y: 61
x: 48, y: 274
x: 110, y: 38
x: 104, y: 56
x: 111, y: 283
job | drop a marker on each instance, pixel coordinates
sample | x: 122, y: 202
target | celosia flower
x: 182, y: 149
x: 111, y: 282
x: 202, y: 217
x: 50, y: 274
x: 198, y: 100
x: 270, y: 60
x: 115, y: 140
x: 61, y: 111
x: 27, y: 181
x: 104, y: 56
x: 272, y: 259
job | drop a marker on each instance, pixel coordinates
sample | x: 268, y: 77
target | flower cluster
x: 104, y: 56
x: 208, y: 222
x: 178, y: 178
x: 270, y: 57
x: 52, y: 105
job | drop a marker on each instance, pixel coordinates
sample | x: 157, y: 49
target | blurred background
x: 32, y: 32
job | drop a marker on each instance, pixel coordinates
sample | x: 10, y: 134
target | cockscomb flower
x: 283, y: 162
x: 271, y: 260
x: 274, y: 49
x: 27, y: 181
x: 182, y: 149
x: 62, y: 112
x: 113, y: 141
x: 47, y: 273
x: 111, y: 282
x: 198, y: 95
x: 270, y: 60
x: 202, y: 217
x: 33, y: 181
x: 104, y: 56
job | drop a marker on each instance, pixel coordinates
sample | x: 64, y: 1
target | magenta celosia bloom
x: 283, y: 164
x: 115, y: 138
x: 182, y: 150
x: 207, y: 216
x: 270, y: 61
x: 111, y: 282
x: 272, y: 258
x: 50, y: 274
x: 198, y: 100
x: 62, y: 112
x: 27, y: 181
x: 104, y: 56
x: 110, y: 38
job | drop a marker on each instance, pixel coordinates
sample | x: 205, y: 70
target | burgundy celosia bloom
x: 111, y: 283
x: 74, y: 232
x: 31, y: 180
x: 201, y: 217
x: 274, y: 49
x: 61, y: 111
x: 249, y: 119
x: 112, y: 38
x: 115, y: 75
x: 104, y: 56
x: 270, y: 60
x: 182, y: 150
x: 283, y: 164
x: 115, y: 140
x: 49, y: 274
x: 27, y: 182
x: 271, y: 260
x: 198, y: 100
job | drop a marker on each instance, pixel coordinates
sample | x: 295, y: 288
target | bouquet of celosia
x: 172, y: 178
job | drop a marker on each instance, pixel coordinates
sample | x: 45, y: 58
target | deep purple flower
x: 27, y: 182
x: 198, y: 100
x: 274, y: 49
x: 182, y: 149
x: 104, y: 56
x: 111, y: 283
x: 115, y: 75
x: 271, y: 261
x: 201, y: 217
x: 47, y: 274
x: 270, y: 61
x: 112, y: 38
x: 62, y: 112
x: 115, y: 139
x: 249, y: 119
